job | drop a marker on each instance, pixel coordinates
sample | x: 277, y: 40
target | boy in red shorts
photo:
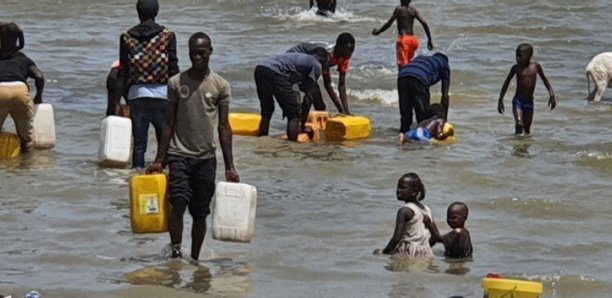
x: 407, y: 43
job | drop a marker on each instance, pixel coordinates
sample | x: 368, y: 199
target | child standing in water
x: 457, y: 243
x: 526, y: 73
x: 411, y: 237
x: 407, y: 44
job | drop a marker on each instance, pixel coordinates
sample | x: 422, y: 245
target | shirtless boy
x: 407, y: 43
x: 526, y: 73
x: 457, y: 243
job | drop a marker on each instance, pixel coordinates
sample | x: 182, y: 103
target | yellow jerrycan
x: 9, y: 145
x: 503, y: 287
x: 244, y: 124
x: 346, y: 128
x: 149, y: 207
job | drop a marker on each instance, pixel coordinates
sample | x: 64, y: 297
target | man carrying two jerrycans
x: 197, y: 96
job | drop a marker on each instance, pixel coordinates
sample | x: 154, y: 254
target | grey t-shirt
x: 196, y: 115
x: 296, y: 67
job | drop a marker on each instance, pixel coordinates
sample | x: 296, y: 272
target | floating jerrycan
x: 10, y: 145
x: 344, y: 128
x: 244, y: 124
x: 319, y: 117
x: 234, y: 212
x: 149, y: 205
x: 115, y: 141
x: 503, y: 287
x: 44, y: 126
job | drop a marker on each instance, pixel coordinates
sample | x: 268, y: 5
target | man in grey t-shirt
x: 274, y: 78
x: 199, y: 99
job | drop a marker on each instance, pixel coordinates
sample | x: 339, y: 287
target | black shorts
x: 192, y: 184
x: 272, y: 85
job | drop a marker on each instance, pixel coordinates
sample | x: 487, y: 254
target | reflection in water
x: 457, y: 267
x: 399, y: 263
x: 521, y: 150
x: 218, y: 277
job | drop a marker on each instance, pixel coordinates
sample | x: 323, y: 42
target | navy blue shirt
x: 427, y: 69
x: 296, y: 67
x: 15, y: 68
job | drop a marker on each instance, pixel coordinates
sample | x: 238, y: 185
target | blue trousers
x: 144, y: 111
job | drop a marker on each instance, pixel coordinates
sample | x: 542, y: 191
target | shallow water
x: 538, y: 204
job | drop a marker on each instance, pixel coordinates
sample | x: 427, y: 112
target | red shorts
x: 407, y: 46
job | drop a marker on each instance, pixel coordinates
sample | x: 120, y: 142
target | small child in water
x: 411, y: 237
x: 526, y: 73
x: 457, y: 243
x: 432, y: 127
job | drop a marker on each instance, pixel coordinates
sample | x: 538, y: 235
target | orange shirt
x: 343, y: 63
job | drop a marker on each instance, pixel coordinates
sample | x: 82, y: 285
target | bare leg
x: 264, y: 125
x: 518, y: 120
x: 527, y: 119
x: 198, y: 232
x: 175, y: 227
x: 293, y: 129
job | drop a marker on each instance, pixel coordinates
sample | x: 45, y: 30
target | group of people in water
x: 186, y: 107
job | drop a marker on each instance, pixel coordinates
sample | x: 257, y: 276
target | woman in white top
x: 411, y: 236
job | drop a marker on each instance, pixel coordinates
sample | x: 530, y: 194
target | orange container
x: 319, y: 117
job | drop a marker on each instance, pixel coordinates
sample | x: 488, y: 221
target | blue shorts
x: 419, y: 135
x: 525, y: 105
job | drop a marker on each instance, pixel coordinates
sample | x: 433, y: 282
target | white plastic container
x: 44, y: 126
x: 234, y: 212
x: 115, y: 141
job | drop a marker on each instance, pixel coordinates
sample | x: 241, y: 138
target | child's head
x: 405, y: 2
x: 345, y: 45
x: 10, y: 34
x: 147, y: 9
x: 436, y: 110
x: 410, y: 188
x: 457, y: 214
x: 523, y: 53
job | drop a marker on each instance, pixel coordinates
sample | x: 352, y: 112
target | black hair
x: 344, y: 39
x: 463, y: 205
x: 416, y: 183
x: 441, y: 55
x: 147, y: 9
x: 10, y: 33
x: 435, y: 109
x: 200, y: 35
x: 524, y: 47
x: 405, y: 2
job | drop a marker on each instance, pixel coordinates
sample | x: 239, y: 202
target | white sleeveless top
x: 415, y: 242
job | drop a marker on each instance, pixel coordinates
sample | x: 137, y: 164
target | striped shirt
x: 427, y: 69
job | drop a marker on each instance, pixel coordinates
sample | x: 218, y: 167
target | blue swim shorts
x: 525, y: 105
x: 419, y: 135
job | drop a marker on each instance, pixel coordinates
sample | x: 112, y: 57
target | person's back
x: 296, y: 67
x: 147, y: 55
x: 405, y: 19
x: 406, y: 43
x: 15, y: 69
x: 415, y: 241
x: 427, y: 69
